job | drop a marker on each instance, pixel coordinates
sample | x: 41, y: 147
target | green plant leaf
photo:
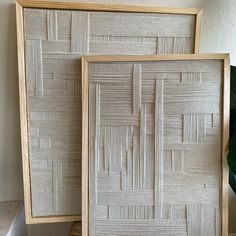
x: 232, y: 142
x: 233, y: 88
x: 232, y: 181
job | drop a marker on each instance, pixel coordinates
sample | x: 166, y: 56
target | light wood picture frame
x: 105, y: 109
x: 43, y: 40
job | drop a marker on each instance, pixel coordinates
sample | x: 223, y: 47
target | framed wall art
x: 155, y: 135
x: 52, y: 37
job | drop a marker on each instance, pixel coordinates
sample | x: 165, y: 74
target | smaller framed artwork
x: 155, y: 134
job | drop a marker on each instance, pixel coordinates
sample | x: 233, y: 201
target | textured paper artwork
x: 55, y: 40
x: 155, y: 148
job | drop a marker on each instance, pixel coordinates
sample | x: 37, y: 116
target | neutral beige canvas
x: 54, y: 42
x: 155, y: 153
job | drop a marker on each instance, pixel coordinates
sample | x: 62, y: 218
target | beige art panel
x: 52, y: 37
x: 155, y: 161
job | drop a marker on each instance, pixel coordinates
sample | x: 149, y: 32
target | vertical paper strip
x: 136, y: 163
x: 158, y: 186
x: 137, y: 70
x: 218, y: 226
x: 52, y: 24
x: 201, y: 137
x: 97, y: 137
x: 194, y: 128
x: 143, y: 147
x: 34, y: 71
x: 55, y: 163
x: 80, y: 32
x: 94, y: 133
x: 194, y: 220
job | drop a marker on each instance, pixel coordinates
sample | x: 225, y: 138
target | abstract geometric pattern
x: 55, y: 40
x: 155, y: 148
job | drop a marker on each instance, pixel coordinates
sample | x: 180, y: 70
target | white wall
x: 219, y: 27
x: 218, y: 35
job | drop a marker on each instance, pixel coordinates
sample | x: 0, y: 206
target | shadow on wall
x: 11, y: 187
x: 57, y: 229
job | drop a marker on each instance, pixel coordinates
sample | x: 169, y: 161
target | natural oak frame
x: 44, y: 4
x: 225, y: 124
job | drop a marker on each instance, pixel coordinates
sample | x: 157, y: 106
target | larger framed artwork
x: 155, y: 135
x: 52, y: 37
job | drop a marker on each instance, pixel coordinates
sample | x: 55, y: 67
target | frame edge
x: 105, y: 7
x: 53, y: 219
x: 23, y: 111
x: 198, y: 25
x: 225, y: 142
x: 85, y: 160
x: 182, y: 57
